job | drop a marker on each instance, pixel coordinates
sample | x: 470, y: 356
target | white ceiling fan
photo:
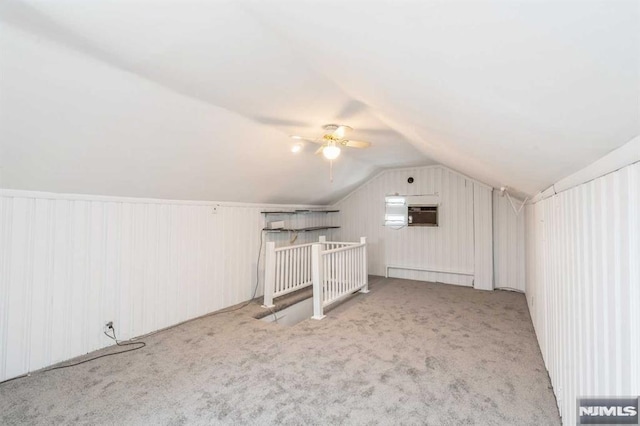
x: 332, y: 141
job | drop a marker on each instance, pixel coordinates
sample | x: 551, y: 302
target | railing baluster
x: 338, y: 273
x: 350, y: 268
x: 334, y: 256
x: 342, y: 268
x: 330, y: 272
x: 359, y: 266
x: 285, y: 274
x: 348, y: 272
x: 299, y: 263
x: 336, y: 281
x: 356, y: 268
x: 289, y: 267
x: 356, y: 283
x: 278, y: 272
x: 292, y: 255
x: 282, y: 271
x: 296, y: 278
x: 333, y: 275
x: 339, y: 282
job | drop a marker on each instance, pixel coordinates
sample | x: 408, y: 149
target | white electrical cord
x: 513, y: 206
x: 294, y: 238
x: 515, y: 290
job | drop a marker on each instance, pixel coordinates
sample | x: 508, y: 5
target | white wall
x: 508, y: 243
x: 583, y: 287
x: 448, y: 247
x: 70, y: 263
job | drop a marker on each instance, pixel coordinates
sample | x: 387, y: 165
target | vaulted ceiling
x: 197, y: 99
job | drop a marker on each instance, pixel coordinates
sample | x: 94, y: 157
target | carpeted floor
x: 406, y: 353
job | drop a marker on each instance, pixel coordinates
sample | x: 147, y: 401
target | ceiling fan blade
x: 338, y: 131
x: 357, y: 144
x: 319, y: 151
x: 276, y: 121
x: 313, y: 140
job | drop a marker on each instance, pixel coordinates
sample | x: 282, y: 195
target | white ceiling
x: 195, y: 99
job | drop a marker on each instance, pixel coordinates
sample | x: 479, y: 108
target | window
x: 395, y: 211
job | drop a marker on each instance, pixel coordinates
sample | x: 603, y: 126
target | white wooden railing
x: 290, y: 268
x: 287, y: 269
x: 337, y: 273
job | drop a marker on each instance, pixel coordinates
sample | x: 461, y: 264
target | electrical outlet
x: 108, y: 326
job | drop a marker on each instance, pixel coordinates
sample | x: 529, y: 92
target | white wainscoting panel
x: 583, y: 287
x: 482, y: 237
x: 508, y: 243
x: 448, y: 247
x: 70, y: 263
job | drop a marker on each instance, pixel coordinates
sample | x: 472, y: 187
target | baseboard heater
x: 418, y: 268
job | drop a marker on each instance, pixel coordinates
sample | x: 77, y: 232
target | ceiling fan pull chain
x: 331, y: 170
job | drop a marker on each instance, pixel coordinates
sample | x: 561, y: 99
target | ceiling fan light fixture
x: 296, y: 148
x: 331, y: 152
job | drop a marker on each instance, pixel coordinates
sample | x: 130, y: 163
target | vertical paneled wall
x: 482, y: 237
x: 448, y: 247
x: 508, y: 243
x: 67, y: 265
x: 583, y: 287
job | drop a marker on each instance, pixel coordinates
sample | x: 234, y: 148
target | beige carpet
x: 407, y: 353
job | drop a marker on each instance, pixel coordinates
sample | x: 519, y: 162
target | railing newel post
x: 269, y: 274
x: 316, y: 273
x: 365, y: 276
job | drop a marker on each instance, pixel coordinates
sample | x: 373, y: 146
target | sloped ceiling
x: 196, y: 99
